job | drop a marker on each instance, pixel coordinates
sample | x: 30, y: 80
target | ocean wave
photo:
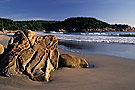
x: 109, y: 37
x: 106, y: 39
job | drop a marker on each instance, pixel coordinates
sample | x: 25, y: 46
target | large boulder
x: 67, y: 60
x: 27, y: 53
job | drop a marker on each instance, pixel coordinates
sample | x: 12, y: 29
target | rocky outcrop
x: 27, y: 53
x: 35, y: 56
x: 67, y: 60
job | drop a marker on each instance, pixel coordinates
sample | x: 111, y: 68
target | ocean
x: 121, y: 44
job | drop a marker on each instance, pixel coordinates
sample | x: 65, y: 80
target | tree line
x: 77, y: 24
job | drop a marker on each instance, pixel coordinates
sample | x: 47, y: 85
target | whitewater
x: 107, y: 37
x: 107, y: 43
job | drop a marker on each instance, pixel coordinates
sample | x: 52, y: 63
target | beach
x: 4, y: 39
x: 109, y: 73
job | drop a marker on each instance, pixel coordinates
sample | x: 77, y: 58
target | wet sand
x: 110, y: 73
x: 4, y: 39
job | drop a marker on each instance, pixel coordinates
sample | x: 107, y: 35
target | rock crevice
x: 29, y: 53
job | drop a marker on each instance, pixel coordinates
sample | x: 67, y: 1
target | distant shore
x: 71, y: 24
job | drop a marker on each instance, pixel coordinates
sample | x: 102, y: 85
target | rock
x: 1, y: 50
x: 3, y: 30
x: 71, y: 61
x: 27, y: 53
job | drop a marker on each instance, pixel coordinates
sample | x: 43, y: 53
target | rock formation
x: 35, y: 56
x: 27, y: 53
x: 71, y: 61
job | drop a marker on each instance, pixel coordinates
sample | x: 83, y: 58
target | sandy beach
x: 110, y: 73
x: 4, y: 39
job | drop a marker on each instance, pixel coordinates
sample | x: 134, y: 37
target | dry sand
x: 110, y: 73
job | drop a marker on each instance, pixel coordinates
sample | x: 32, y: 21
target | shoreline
x: 5, y: 38
x: 96, y: 48
x: 110, y: 73
x: 102, y: 48
x: 95, y: 58
x: 77, y: 53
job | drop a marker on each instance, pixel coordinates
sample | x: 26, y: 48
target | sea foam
x: 96, y: 38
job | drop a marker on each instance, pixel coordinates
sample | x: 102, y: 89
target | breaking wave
x: 108, y: 37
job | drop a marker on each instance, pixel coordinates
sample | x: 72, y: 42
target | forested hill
x: 77, y: 24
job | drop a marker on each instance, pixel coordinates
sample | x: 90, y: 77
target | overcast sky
x: 111, y: 11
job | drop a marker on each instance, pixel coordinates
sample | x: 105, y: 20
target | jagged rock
x: 27, y: 53
x: 71, y: 61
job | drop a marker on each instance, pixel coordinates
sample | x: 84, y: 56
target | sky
x: 110, y: 11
